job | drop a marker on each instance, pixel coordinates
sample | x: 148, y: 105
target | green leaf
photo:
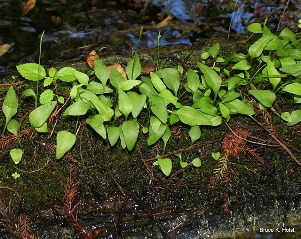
x: 116, y: 78
x: 287, y: 34
x: 138, y: 102
x: 64, y: 142
x: 238, y: 107
x: 216, y: 155
x: 61, y: 99
x: 42, y: 129
x: 293, y: 88
x: 166, y: 137
x: 230, y: 96
x: 233, y: 82
x: 265, y: 97
x: 66, y: 74
x: 113, y: 134
x: 133, y: 69
x: 214, y: 50
x: 194, y: 133
x: 74, y: 92
x: 193, y: 80
x: 224, y: 110
x: 205, y: 105
x: 158, y: 107
x: 130, y: 129
x: 213, y: 80
x: 196, y: 162
x: 101, y: 71
x: 86, y: 95
x: 183, y: 164
x: 293, y: 69
x: 157, y: 82
x: 242, y: 65
x: 96, y: 123
x: 156, y: 130
x: 255, y: 28
x: 273, y: 74
x: 129, y: 84
x: 46, y: 96
x: 147, y: 89
x: 47, y: 81
x: 297, y: 100
x: 32, y: 71
x: 52, y: 72
x: 105, y: 111
x: 173, y: 119
x: 125, y: 103
x: 171, y: 78
x: 82, y: 77
x: 13, y: 126
x: 96, y: 87
x: 165, y: 164
x: 122, y: 139
x: 257, y: 47
x: 292, y: 118
x: 77, y: 108
x: 169, y: 97
x: 39, y: 116
x: 286, y: 116
x: 191, y: 116
x: 10, y: 105
x: 16, y: 155
x: 28, y: 93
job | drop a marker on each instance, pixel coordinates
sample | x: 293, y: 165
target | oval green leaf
x: 66, y: 74
x: 130, y: 129
x: 77, y: 108
x: 39, y: 116
x: 165, y: 164
x: 32, y: 71
x: 293, y: 88
x: 265, y: 97
x: 96, y: 122
x: 64, y: 142
x: 192, y: 117
x: 16, y: 155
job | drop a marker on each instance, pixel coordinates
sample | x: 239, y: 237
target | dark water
x: 74, y: 28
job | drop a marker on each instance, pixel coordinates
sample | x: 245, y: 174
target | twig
x: 286, y: 149
x: 282, y: 15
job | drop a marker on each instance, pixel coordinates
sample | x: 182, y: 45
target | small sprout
x: 15, y: 175
x: 216, y: 155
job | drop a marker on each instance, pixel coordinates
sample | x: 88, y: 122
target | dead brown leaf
x: 165, y: 22
x: 90, y: 59
x: 4, y: 48
x: 29, y: 5
x: 119, y: 68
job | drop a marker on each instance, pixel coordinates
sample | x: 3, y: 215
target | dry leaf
x: 90, y: 59
x: 147, y: 67
x: 29, y: 5
x: 165, y: 22
x: 119, y: 68
x: 4, y: 48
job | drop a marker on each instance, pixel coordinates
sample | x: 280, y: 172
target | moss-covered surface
x: 123, y: 193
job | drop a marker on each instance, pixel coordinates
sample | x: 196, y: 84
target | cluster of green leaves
x: 120, y: 108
